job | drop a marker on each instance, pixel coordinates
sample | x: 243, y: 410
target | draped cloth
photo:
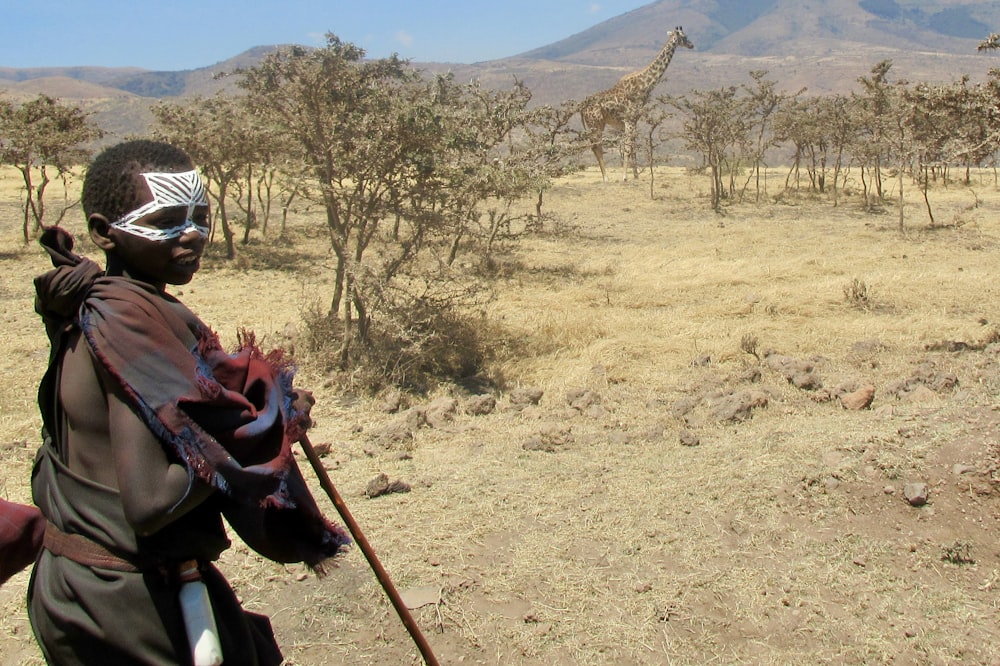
x: 228, y: 417
x: 88, y: 613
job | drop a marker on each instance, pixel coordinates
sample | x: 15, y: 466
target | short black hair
x: 110, y: 188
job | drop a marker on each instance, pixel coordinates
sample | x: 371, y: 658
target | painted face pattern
x: 169, y: 190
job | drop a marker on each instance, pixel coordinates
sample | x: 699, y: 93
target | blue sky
x: 186, y: 34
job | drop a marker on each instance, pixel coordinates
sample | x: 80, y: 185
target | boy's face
x: 162, y: 240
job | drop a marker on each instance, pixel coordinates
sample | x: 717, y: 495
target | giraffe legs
x: 628, y: 151
x: 598, y: 149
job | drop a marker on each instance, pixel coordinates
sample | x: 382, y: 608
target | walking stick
x: 359, y: 538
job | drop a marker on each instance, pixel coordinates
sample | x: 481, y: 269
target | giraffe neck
x: 649, y: 77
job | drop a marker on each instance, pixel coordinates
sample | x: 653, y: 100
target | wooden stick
x: 359, y: 538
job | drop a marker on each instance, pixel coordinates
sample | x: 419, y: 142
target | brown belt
x: 82, y: 550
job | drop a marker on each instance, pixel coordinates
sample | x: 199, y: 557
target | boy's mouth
x: 187, y: 260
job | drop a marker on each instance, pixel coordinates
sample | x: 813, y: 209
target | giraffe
x: 620, y: 106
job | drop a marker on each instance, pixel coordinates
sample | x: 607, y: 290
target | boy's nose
x: 193, y: 233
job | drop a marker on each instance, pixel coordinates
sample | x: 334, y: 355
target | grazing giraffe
x: 621, y: 105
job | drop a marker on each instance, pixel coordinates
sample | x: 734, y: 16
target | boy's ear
x: 100, y: 232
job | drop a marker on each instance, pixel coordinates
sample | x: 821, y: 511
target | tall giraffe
x: 620, y: 106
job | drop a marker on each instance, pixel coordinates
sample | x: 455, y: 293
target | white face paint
x: 169, y: 190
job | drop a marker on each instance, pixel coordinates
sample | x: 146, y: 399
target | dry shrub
x: 857, y: 294
x: 413, y: 343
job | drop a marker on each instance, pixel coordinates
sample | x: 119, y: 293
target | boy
x: 153, y: 432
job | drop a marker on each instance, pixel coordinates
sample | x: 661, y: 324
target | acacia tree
x: 717, y: 124
x: 875, y: 125
x: 39, y: 136
x: 764, y: 103
x: 223, y: 139
x: 338, y: 111
x: 550, y: 143
x: 396, y: 160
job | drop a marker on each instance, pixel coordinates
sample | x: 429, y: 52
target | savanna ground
x: 692, y: 505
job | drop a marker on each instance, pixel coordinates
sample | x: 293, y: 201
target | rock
x: 920, y: 394
x: 536, y: 443
x: 959, y: 469
x: 480, y: 405
x: 391, y: 434
x: 323, y: 449
x: 865, y: 347
x: 526, y: 396
x: 619, y: 438
x: 683, y: 406
x: 440, y: 412
x: 916, y: 493
x: 582, y: 399
x: 391, y: 403
x: 556, y: 434
x: 549, y: 438
x: 737, y: 406
x: 859, y: 399
x: 688, y: 438
x: 381, y: 485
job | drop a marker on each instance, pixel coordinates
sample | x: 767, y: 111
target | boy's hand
x: 302, y: 403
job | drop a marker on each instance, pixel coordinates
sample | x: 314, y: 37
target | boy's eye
x: 169, y: 221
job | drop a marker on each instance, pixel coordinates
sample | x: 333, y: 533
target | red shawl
x: 227, y: 416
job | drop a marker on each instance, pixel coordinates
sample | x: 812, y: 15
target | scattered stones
x: 959, y: 552
x: 958, y: 469
x: 923, y: 385
x: 381, y: 485
x: 801, y: 374
x: 916, y: 493
x: 550, y: 438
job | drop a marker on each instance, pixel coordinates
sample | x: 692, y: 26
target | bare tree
x: 37, y: 137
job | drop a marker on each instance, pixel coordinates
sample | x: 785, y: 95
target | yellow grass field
x: 673, y: 498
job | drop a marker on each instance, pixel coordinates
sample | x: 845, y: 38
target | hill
x: 822, y: 45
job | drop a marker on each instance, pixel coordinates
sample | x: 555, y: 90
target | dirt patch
x: 648, y: 488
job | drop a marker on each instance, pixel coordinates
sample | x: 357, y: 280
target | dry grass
x: 780, y: 539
